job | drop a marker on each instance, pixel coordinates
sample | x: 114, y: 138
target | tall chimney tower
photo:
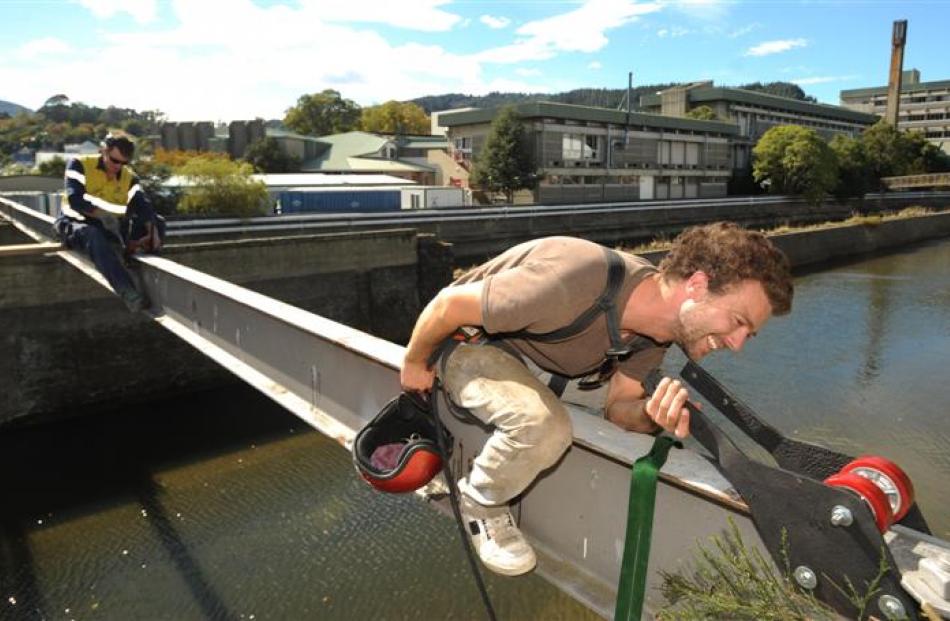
x: 898, y: 39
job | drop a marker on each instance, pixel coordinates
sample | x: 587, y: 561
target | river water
x: 222, y: 506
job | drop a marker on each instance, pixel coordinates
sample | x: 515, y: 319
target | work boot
x: 134, y: 301
x: 496, y: 538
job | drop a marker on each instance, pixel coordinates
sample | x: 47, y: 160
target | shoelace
x: 501, y: 525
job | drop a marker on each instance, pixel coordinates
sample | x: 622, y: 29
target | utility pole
x: 898, y: 38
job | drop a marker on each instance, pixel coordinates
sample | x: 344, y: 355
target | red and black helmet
x: 398, y: 451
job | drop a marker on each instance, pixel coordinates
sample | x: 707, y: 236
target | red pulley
x: 887, y: 475
x: 870, y: 493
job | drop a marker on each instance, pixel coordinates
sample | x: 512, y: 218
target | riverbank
x: 832, y: 240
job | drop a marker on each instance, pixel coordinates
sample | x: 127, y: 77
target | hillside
x: 600, y: 97
x: 8, y: 107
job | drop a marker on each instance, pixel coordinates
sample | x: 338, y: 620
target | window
x: 572, y: 146
x: 579, y: 147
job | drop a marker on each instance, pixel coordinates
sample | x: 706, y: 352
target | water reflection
x: 859, y: 366
x: 223, y: 506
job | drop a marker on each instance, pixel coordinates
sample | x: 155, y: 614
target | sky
x: 241, y: 59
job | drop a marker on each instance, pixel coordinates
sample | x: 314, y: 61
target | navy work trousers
x: 103, y: 247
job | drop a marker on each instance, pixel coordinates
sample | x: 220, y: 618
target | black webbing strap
x: 604, y: 304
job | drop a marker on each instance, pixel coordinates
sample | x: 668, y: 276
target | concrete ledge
x: 69, y: 345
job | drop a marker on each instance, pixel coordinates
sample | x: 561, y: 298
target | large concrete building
x: 586, y: 154
x: 755, y: 113
x: 924, y: 106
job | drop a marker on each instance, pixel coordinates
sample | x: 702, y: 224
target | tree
x: 505, y: 163
x: 789, y: 90
x: 394, y: 117
x: 854, y: 178
x: 889, y: 151
x: 703, y: 113
x: 790, y: 159
x: 322, y: 113
x: 55, y: 167
x: 266, y: 156
x: 221, y: 187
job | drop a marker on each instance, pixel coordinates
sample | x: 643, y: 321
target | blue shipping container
x: 340, y: 201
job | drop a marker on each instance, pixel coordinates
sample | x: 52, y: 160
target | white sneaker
x: 496, y: 538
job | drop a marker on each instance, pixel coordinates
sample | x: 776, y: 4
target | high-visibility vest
x: 117, y: 192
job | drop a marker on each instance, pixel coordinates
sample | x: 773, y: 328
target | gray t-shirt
x: 544, y: 285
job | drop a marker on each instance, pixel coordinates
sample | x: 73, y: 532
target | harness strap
x: 636, y: 549
x: 604, y: 304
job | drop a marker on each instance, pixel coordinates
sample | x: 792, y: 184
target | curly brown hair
x: 728, y: 254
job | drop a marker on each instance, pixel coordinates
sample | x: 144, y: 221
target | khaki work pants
x: 532, y: 428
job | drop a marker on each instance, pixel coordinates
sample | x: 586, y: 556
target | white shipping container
x: 434, y: 198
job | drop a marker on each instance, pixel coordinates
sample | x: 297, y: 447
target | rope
x: 454, y: 501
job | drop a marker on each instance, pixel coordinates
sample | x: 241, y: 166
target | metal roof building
x: 588, y: 154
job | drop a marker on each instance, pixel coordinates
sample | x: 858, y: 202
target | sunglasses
x: 115, y: 161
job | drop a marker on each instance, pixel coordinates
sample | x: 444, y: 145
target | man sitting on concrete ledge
x: 107, y: 214
x: 575, y: 309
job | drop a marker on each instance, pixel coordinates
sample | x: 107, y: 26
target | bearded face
x: 709, y: 322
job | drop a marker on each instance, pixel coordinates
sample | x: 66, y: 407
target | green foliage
x: 221, y: 187
x: 781, y: 89
x: 890, y: 152
x: 854, y: 176
x: 505, y: 163
x: 702, y: 113
x: 790, y: 159
x: 266, y: 156
x: 55, y: 167
x: 731, y: 581
x: 394, y: 117
x: 601, y: 97
x: 60, y: 121
x: 153, y: 172
x: 322, y: 113
x: 859, y: 599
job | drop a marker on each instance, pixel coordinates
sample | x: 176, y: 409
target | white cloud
x: 823, y: 79
x: 41, y: 47
x: 775, y: 47
x: 143, y: 11
x: 580, y: 30
x: 527, y: 73
x: 700, y: 9
x: 494, y: 22
x: 675, y: 31
x: 744, y: 30
x: 594, y: 65
x: 193, y: 72
x: 409, y: 14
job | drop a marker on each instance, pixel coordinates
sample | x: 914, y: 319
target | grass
x: 663, y: 242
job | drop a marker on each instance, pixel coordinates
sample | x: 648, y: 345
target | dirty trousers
x: 532, y: 428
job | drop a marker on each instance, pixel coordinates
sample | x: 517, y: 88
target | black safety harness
x: 618, y: 351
